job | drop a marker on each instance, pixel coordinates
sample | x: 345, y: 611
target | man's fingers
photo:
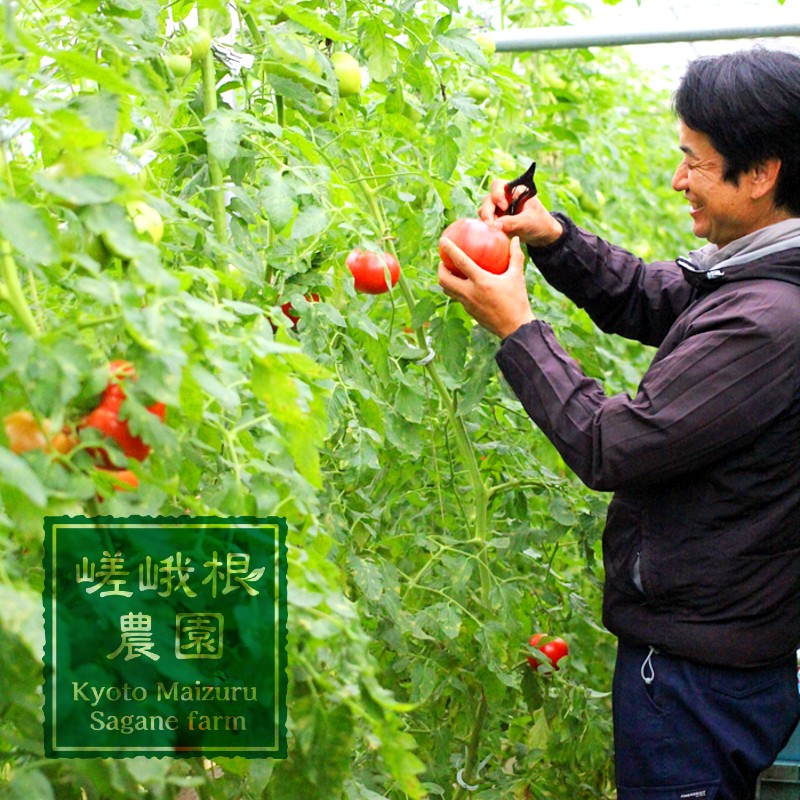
x: 495, y: 201
x: 517, y: 260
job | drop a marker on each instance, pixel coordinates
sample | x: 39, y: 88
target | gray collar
x: 763, y: 242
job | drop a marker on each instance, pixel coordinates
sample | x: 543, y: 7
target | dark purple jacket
x: 704, y: 461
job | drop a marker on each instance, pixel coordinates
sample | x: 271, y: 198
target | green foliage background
x: 432, y: 529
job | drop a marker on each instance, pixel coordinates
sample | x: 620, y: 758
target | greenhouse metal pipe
x: 574, y: 36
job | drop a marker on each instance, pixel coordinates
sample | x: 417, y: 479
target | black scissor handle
x: 515, y: 203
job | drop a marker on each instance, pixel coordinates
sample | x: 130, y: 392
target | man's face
x: 722, y: 211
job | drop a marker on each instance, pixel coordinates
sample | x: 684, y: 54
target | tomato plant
x: 370, y: 269
x: 553, y: 647
x: 485, y: 245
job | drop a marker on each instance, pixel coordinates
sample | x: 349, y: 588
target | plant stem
x: 463, y: 442
x: 11, y: 290
x: 472, y: 747
x: 217, y: 196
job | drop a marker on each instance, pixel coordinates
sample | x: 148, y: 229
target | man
x: 702, y: 540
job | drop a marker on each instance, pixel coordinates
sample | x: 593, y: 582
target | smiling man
x: 702, y: 539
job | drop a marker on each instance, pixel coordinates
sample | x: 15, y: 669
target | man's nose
x: 679, y: 179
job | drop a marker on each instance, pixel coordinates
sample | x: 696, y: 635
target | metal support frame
x: 570, y: 37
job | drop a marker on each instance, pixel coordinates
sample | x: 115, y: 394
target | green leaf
x: 28, y: 231
x: 461, y: 42
x: 224, y: 131
x: 15, y: 471
x: 83, y: 190
x: 380, y: 49
x: 311, y: 221
x: 277, y: 199
x: 312, y: 21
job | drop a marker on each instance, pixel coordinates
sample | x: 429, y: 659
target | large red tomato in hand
x: 488, y: 247
x: 553, y: 647
x: 369, y: 270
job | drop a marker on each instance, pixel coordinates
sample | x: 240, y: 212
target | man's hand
x: 533, y: 223
x: 498, y: 303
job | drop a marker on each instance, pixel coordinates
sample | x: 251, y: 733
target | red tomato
x: 369, y: 270
x: 553, y: 647
x: 123, y: 478
x: 485, y: 245
x: 106, y: 416
x: 288, y: 310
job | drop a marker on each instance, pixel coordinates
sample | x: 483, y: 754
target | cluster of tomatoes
x: 25, y: 433
x: 553, y: 648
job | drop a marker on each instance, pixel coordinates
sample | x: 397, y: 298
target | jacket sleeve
x: 710, y: 395
x: 621, y: 293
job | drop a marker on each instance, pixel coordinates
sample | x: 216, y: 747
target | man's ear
x: 764, y: 176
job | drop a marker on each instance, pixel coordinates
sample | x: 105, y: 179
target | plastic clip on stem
x: 469, y: 787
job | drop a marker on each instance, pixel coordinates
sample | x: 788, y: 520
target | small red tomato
x: 485, y: 245
x: 122, y: 479
x: 106, y: 416
x: 369, y: 270
x: 289, y: 310
x: 553, y: 647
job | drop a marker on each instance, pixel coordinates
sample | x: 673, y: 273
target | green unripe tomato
x: 478, y: 91
x: 198, y: 40
x: 412, y: 112
x: 178, y: 64
x: 486, y: 44
x: 310, y: 62
x: 348, y: 74
x: 146, y: 220
x: 288, y: 54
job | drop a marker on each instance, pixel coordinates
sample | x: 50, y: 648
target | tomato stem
x: 463, y: 442
x: 472, y: 747
x: 210, y: 106
x: 11, y: 290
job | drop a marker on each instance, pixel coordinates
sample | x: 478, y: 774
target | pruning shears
x: 517, y: 200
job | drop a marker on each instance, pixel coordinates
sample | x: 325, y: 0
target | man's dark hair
x: 748, y: 104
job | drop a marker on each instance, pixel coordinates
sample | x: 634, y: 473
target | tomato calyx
x: 553, y: 647
x: 488, y: 247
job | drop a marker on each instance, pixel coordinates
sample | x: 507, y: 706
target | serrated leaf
x: 461, y: 42
x: 83, y: 190
x: 28, y: 232
x: 290, y: 405
x: 311, y: 221
x: 313, y: 22
x: 277, y: 199
x: 226, y: 396
x: 446, y: 154
x: 380, y: 49
x: 409, y: 403
x: 224, y: 131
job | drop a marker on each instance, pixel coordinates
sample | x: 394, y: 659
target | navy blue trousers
x: 685, y: 731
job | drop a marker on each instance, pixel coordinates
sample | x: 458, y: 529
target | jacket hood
x: 772, y: 252
x: 782, y: 266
